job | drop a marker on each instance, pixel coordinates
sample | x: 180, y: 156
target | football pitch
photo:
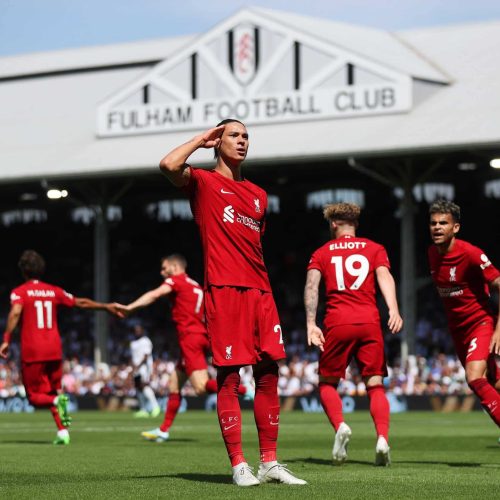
x: 434, y: 456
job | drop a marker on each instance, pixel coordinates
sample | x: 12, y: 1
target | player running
x: 242, y: 320
x: 462, y: 273
x: 349, y: 266
x: 35, y: 304
x: 188, y: 315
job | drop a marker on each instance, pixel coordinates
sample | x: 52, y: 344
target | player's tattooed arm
x: 311, y: 291
x: 12, y: 321
x: 495, y: 339
x: 174, y: 165
x: 388, y: 288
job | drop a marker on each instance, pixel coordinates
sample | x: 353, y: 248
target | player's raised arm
x: 495, y: 339
x: 314, y: 334
x: 12, y: 321
x: 174, y: 165
x: 388, y: 288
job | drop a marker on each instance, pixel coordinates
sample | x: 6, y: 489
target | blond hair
x: 348, y: 212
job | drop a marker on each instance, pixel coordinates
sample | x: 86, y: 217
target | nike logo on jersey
x: 223, y: 191
x: 227, y: 427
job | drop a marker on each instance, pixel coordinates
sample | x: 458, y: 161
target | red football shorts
x: 364, y: 342
x: 473, y: 344
x: 42, y: 377
x: 194, y: 349
x: 243, y: 326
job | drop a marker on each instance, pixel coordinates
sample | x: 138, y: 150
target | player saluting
x: 188, y: 315
x: 35, y: 303
x: 242, y: 320
x: 349, y: 266
x: 462, y: 273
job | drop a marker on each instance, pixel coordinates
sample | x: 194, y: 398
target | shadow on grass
x: 200, y: 478
x: 322, y: 461
x: 329, y: 463
x: 173, y: 440
x: 25, y: 441
x: 432, y: 462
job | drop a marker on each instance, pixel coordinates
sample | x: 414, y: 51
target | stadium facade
x: 336, y: 112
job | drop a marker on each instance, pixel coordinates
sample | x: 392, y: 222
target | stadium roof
x: 49, y: 100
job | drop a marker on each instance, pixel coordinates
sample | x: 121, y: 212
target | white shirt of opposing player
x: 138, y: 349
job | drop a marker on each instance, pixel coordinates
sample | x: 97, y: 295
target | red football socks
x: 379, y: 410
x: 489, y: 397
x: 211, y: 387
x: 56, y: 417
x: 332, y: 404
x: 267, y: 410
x: 174, y: 402
x: 229, y: 413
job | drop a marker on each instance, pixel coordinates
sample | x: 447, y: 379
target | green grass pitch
x: 434, y: 456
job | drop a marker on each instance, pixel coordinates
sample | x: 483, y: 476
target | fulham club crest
x: 243, y: 45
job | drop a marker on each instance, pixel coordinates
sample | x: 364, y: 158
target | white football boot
x: 342, y: 437
x: 382, y: 452
x: 156, y: 435
x: 273, y: 472
x: 243, y: 475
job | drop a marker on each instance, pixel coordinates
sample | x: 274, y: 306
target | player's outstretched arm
x: 311, y: 291
x: 84, y: 303
x: 495, y: 339
x: 148, y: 298
x: 12, y: 321
x: 388, y: 288
x: 174, y: 165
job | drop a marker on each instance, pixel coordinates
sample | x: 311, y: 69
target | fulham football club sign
x: 255, y: 69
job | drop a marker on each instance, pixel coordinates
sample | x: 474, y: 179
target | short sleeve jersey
x: 230, y: 216
x: 142, y: 347
x: 188, y: 311
x: 348, y: 265
x: 40, y: 339
x: 461, y: 277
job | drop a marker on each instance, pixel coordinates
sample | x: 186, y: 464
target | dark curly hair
x: 445, y: 207
x: 31, y: 264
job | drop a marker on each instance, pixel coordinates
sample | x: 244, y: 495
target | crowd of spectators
x: 433, y: 370
x: 439, y: 375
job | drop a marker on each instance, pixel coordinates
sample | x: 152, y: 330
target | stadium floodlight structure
x: 495, y: 163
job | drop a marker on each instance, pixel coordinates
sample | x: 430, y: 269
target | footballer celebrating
x: 242, y: 319
x: 35, y: 304
x: 462, y: 274
x: 188, y: 315
x: 349, y: 266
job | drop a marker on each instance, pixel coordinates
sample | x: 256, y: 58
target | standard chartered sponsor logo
x: 228, y: 214
x: 454, y: 291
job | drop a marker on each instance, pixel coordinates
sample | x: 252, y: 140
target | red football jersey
x: 461, y: 277
x: 188, y: 311
x: 230, y: 216
x: 347, y: 265
x: 40, y: 339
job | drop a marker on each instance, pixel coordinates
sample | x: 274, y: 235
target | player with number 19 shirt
x: 349, y: 266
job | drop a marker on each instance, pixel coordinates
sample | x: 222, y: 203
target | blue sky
x: 39, y: 25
